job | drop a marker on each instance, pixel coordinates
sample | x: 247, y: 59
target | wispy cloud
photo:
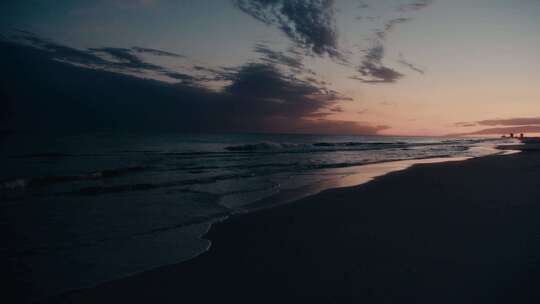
x: 518, y: 121
x: 504, y: 130
x: 337, y: 109
x: 276, y: 57
x: 134, y: 3
x: 465, y: 124
x: 415, y: 6
x: 372, y: 69
x: 156, y: 52
x: 363, y: 5
x: 503, y: 126
x: 310, y: 24
x: 125, y: 60
x: 389, y: 26
x: 409, y: 65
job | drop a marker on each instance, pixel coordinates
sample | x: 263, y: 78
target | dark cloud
x: 182, y: 77
x: 127, y: 58
x: 70, y: 98
x: 408, y: 64
x: 415, y: 6
x: 337, y: 109
x: 373, y: 71
x: 363, y: 5
x: 317, y: 81
x: 377, y: 74
x: 214, y: 74
x: 323, y: 126
x: 387, y: 104
x: 281, y: 95
x: 309, y: 23
x: 373, y: 18
x: 293, y: 65
x: 503, y: 126
x: 130, y: 4
x: 375, y: 54
x: 124, y: 60
x: 275, y: 57
x: 156, y: 52
x: 465, y: 124
x: 521, y: 121
x: 504, y: 130
x: 362, y: 112
x: 121, y: 54
x: 61, y: 52
x: 372, y: 64
x: 390, y: 26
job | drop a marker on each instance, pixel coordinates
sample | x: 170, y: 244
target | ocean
x: 92, y: 208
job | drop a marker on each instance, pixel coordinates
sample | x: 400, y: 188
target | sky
x: 390, y: 67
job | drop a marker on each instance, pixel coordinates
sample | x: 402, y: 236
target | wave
x: 263, y: 146
x: 269, y: 146
x: 19, y: 183
x: 99, y: 190
x: 354, y: 144
x: 469, y: 140
x: 102, y: 190
x: 246, y: 166
x: 47, y: 155
x: 14, y: 184
x: 57, y: 155
x: 84, y: 242
x: 115, y: 172
x: 256, y: 166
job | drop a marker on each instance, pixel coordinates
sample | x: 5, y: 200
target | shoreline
x: 338, y: 178
x: 357, y: 176
x: 250, y: 247
x: 351, y: 177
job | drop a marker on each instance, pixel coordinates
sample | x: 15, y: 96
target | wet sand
x: 457, y: 232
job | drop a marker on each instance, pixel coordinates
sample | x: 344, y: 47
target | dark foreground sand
x: 460, y: 232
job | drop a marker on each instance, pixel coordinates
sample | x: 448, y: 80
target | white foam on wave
x: 262, y: 146
x: 14, y: 184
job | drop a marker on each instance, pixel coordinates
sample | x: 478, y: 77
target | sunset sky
x: 400, y: 67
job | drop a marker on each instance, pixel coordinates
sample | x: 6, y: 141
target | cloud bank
x: 503, y: 126
x: 80, y: 90
x: 521, y: 121
x: 504, y: 130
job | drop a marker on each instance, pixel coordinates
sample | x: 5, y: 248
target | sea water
x: 78, y: 210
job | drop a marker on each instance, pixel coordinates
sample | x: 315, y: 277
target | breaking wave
x: 273, y: 146
x: 18, y: 183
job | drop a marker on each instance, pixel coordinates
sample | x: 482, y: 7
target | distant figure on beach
x: 511, y: 135
x: 521, y: 136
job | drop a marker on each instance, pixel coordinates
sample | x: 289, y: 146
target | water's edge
x: 357, y: 179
